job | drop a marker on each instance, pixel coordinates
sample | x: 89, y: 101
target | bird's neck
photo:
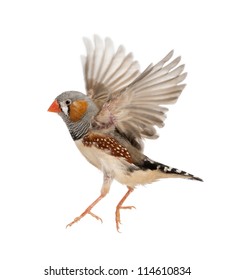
x: 77, y: 129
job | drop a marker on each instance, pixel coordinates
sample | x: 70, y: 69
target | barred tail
x: 167, y: 170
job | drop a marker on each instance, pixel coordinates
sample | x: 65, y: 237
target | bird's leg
x: 105, y: 189
x: 119, y: 206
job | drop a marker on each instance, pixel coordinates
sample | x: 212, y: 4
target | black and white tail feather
x: 148, y: 164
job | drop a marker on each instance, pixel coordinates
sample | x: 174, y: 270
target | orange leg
x: 119, y: 206
x: 88, y: 211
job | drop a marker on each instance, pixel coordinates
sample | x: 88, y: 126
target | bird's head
x: 76, y: 109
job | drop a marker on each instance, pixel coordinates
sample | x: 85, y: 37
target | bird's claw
x: 95, y: 216
x: 118, y: 219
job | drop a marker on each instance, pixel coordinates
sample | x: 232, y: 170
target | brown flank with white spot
x: 107, y: 143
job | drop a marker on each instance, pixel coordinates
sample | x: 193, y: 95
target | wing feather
x: 106, y: 71
x: 137, y: 108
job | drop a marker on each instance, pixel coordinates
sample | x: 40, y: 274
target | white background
x: 45, y: 182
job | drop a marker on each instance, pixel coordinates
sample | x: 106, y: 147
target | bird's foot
x: 77, y: 219
x: 118, y: 219
x: 119, y: 206
x: 87, y: 211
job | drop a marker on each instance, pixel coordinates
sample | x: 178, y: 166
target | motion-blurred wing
x: 106, y: 71
x: 138, y: 108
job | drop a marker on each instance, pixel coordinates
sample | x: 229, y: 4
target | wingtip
x: 96, y: 36
x: 86, y: 40
x: 183, y: 76
x: 169, y: 55
x: 97, y: 39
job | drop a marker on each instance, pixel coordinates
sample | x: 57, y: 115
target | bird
x: 122, y: 107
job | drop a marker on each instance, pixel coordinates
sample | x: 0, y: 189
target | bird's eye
x: 68, y: 102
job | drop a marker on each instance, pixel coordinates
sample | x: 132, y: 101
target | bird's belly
x: 102, y: 159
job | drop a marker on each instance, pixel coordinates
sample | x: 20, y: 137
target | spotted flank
x: 107, y: 143
x: 148, y: 164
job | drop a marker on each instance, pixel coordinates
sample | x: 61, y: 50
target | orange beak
x: 55, y: 107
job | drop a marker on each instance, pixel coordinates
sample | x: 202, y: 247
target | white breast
x: 103, y: 160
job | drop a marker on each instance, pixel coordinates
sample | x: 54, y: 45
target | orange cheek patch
x: 77, y: 110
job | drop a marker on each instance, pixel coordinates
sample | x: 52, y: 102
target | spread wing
x: 106, y: 71
x: 136, y: 109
